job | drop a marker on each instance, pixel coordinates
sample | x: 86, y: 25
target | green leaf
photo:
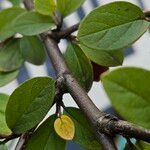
x: 4, y: 130
x: 113, y: 26
x: 10, y: 56
x: 5, y: 78
x: 104, y: 58
x: 66, y: 7
x: 143, y: 145
x: 29, y: 104
x: 15, y: 2
x: 80, y: 65
x: 32, y: 23
x: 45, y: 7
x: 46, y: 138
x: 84, y: 134
x: 3, y: 147
x: 128, y: 89
x: 7, y: 18
x: 32, y: 50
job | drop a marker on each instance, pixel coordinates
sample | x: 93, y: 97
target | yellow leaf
x: 64, y: 127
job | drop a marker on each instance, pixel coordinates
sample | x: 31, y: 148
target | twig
x: 59, y: 21
x: 28, y: 4
x: 147, y: 14
x: 105, y: 141
x: 65, y: 33
x: 24, y: 139
x: 21, y: 142
x: 108, y: 125
x: 6, y: 41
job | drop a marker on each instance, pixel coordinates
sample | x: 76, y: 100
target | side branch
x: 24, y: 139
x: 147, y: 14
x: 65, y: 33
x: 123, y: 128
x: 28, y: 4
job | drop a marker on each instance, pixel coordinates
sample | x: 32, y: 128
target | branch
x: 105, y: 123
x: 21, y: 142
x: 65, y: 33
x: 58, y: 34
x: 109, y: 125
x: 147, y: 14
x: 24, y: 139
x: 6, y: 41
x: 106, y: 141
x: 62, y: 71
x: 100, y: 121
x: 28, y: 4
x: 78, y: 93
x: 56, y: 56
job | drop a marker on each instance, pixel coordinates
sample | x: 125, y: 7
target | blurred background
x: 137, y: 55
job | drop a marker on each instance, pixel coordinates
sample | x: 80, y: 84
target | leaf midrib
x: 105, y: 30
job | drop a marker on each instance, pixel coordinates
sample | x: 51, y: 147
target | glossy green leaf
x: 10, y: 56
x: 4, y: 130
x: 32, y: 50
x: 104, y: 58
x: 113, y: 26
x: 5, y: 78
x: 7, y: 18
x: 80, y: 65
x: 15, y: 2
x: 67, y: 7
x: 128, y: 89
x: 45, y: 7
x: 32, y: 23
x: 84, y: 134
x: 45, y: 137
x: 29, y: 104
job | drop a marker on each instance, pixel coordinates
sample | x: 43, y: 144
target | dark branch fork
x: 147, y: 14
x: 104, y: 125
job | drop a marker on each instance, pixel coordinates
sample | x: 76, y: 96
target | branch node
x: 104, y: 121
